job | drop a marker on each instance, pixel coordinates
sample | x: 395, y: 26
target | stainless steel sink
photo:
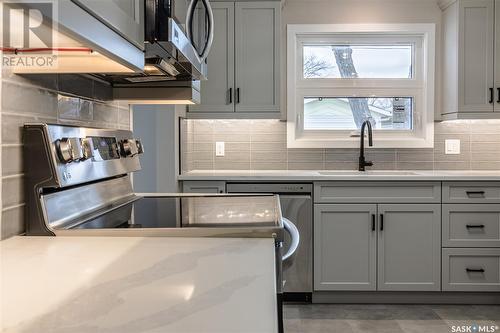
x: 368, y: 173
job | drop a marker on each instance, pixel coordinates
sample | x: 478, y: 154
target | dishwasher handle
x: 294, y: 236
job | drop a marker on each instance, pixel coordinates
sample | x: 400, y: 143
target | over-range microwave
x: 178, y: 38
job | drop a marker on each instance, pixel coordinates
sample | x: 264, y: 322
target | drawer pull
x: 475, y: 194
x: 474, y: 270
x: 475, y: 226
x: 373, y: 222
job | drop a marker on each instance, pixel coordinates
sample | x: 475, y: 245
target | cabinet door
x: 257, y: 35
x: 497, y: 55
x: 124, y: 16
x: 409, y: 246
x: 218, y: 91
x: 476, y: 36
x: 345, y: 247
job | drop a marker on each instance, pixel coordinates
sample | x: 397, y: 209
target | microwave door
x: 200, y: 26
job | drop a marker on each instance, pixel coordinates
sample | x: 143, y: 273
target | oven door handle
x: 295, y: 237
x: 210, y: 24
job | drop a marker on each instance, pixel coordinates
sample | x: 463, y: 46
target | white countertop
x: 132, y: 284
x: 326, y: 175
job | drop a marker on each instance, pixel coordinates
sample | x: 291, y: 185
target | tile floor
x: 345, y: 318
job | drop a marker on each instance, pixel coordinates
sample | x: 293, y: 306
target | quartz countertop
x: 136, y: 284
x: 339, y: 175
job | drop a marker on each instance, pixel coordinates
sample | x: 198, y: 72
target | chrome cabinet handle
x: 294, y: 235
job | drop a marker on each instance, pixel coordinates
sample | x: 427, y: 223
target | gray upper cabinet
x: 471, y: 74
x: 409, y: 247
x: 257, y: 33
x: 345, y: 239
x: 124, y: 16
x: 243, y: 66
x: 217, y: 92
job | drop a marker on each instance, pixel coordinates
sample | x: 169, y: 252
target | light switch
x: 219, y: 148
x: 452, y: 147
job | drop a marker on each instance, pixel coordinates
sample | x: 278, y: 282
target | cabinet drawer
x: 473, y: 225
x: 471, y: 269
x: 471, y: 192
x: 377, y: 192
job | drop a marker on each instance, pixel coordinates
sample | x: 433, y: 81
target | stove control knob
x: 128, y: 148
x: 86, y: 147
x: 64, y: 150
x: 140, y: 147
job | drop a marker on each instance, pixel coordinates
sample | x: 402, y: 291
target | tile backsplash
x: 261, y: 144
x: 66, y: 99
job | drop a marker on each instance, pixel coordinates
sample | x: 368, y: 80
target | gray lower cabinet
x: 409, y: 246
x: 393, y: 247
x: 345, y: 247
x: 471, y: 269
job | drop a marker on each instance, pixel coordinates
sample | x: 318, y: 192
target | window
x: 342, y: 75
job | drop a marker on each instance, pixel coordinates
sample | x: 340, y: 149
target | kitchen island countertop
x: 136, y: 284
x: 341, y: 175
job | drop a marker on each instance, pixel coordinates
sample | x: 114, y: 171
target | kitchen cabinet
x: 402, y: 242
x: 243, y: 66
x: 471, y: 66
x: 392, y: 240
x: 409, y: 246
x: 124, y: 16
x: 345, y: 247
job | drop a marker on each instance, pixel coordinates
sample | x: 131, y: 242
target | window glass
x: 358, y: 61
x: 348, y: 113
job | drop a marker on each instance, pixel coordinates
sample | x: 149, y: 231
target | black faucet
x: 362, y: 162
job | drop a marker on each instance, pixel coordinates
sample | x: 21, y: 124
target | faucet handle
x: 369, y: 163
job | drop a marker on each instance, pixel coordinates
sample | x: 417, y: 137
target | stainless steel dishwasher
x: 296, y: 205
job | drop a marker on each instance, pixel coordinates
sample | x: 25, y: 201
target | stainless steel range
x: 78, y: 183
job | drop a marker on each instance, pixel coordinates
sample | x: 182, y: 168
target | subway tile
x: 459, y: 165
x: 202, y: 165
x: 484, y: 165
x: 230, y: 136
x: 482, y: 137
x: 12, y: 160
x: 12, y: 191
x: 203, y: 138
x: 485, y: 126
x: 75, y: 85
x: 306, y: 165
x: 268, y: 137
x: 124, y: 117
x: 12, y: 222
x: 341, y: 155
x: 263, y: 165
x: 484, y: 156
x: 202, y: 146
x: 224, y: 126
x: 491, y: 147
x: 105, y: 113
x: 452, y: 127
x: 231, y: 165
x: 270, y: 156
x: 201, y: 155
x: 237, y: 146
x: 353, y: 165
x: 382, y: 165
x: 203, y: 126
x: 417, y: 155
x: 268, y: 126
x: 305, y: 155
x: 23, y: 99
x: 268, y: 146
x: 416, y: 165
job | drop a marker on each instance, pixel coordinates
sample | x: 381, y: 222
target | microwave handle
x: 210, y: 17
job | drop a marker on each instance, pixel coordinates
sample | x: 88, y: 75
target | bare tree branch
x: 314, y: 66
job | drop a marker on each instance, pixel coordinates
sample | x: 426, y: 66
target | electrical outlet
x: 219, y: 148
x: 452, y: 147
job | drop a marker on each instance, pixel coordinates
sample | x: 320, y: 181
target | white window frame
x: 421, y: 86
